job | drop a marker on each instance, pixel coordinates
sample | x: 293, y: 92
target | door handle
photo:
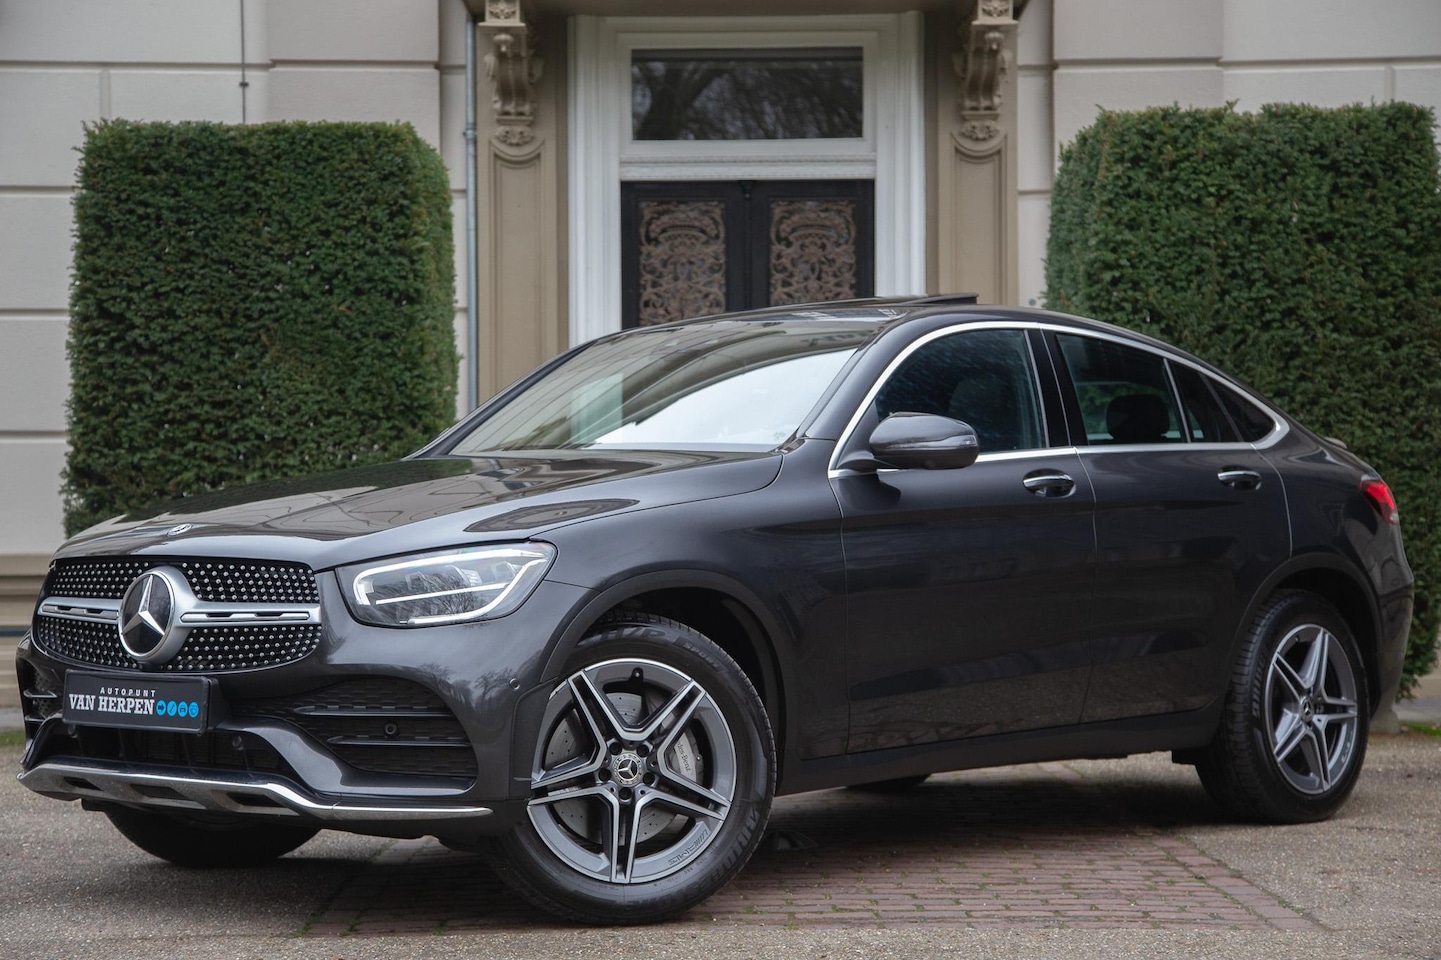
x: 1048, y: 483
x: 1239, y: 478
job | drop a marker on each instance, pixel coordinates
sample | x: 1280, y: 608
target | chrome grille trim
x: 194, y: 613
x: 226, y: 615
x: 87, y: 609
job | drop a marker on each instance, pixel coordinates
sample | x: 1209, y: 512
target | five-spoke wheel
x: 1293, y: 731
x: 1310, y: 709
x: 651, y: 777
x: 636, y: 772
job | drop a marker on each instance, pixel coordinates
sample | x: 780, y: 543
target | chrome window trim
x: 1037, y: 453
x: 1280, y: 429
x: 1279, y: 425
x: 912, y: 347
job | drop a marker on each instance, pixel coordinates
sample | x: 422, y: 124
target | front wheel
x: 1293, y: 735
x: 651, y: 782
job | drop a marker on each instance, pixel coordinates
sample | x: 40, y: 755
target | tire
x: 894, y: 785
x: 652, y: 778
x: 1294, y: 727
x: 195, y: 843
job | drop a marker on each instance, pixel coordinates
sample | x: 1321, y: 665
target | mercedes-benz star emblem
x: 146, y: 612
x: 178, y: 529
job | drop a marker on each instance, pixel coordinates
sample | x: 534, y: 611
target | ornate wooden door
x: 693, y: 248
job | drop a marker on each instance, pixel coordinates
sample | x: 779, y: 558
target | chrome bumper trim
x: 242, y: 793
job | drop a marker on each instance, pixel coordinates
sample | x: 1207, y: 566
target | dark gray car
x: 594, y: 628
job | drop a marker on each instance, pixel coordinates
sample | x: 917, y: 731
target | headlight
x: 473, y: 584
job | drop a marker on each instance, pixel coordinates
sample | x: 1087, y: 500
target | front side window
x: 727, y: 386
x: 985, y: 378
x: 1123, y: 392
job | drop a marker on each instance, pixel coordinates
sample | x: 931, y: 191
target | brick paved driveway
x: 1086, y: 860
x: 1018, y: 847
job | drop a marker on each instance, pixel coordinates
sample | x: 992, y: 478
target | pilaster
x: 976, y: 154
x: 519, y: 288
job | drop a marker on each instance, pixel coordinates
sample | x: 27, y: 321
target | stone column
x: 976, y: 156
x: 519, y: 189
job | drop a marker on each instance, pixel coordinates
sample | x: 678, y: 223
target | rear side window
x: 1123, y: 392
x: 1252, y: 422
x: 1205, y: 420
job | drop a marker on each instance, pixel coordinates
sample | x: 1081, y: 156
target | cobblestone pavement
x: 1064, y: 861
x: 1019, y: 847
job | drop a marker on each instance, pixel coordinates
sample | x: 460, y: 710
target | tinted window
x: 1252, y: 422
x: 1123, y: 392
x: 984, y: 377
x: 1205, y: 419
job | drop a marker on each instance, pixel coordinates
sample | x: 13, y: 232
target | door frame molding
x: 602, y: 154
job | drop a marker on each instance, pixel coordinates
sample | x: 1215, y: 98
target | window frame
x: 1071, y: 403
x: 1055, y: 441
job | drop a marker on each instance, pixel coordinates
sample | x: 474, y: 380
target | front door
x: 968, y: 591
x: 690, y: 248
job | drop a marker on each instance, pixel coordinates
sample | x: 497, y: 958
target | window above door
x: 742, y: 99
x: 802, y: 93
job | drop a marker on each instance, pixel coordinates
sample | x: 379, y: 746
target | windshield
x: 735, y: 385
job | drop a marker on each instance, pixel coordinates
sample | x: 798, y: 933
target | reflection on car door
x: 1189, y: 520
x: 968, y: 591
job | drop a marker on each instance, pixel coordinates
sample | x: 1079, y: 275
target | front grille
x: 377, y: 724
x: 217, y: 581
x: 206, y: 650
x: 216, y: 649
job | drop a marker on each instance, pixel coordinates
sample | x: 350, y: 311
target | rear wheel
x: 190, y: 842
x: 1293, y: 735
x: 651, y: 780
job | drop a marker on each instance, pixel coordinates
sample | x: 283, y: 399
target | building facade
x: 639, y: 160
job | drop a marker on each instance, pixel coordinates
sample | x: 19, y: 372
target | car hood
x: 416, y: 505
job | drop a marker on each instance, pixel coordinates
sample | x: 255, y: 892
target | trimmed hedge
x: 253, y: 302
x: 1298, y: 248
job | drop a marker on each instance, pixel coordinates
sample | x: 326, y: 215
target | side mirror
x: 924, y: 441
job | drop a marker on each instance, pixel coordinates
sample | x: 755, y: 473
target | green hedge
x: 1298, y: 248
x: 253, y: 302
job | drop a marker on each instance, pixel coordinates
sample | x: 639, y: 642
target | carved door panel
x: 694, y: 248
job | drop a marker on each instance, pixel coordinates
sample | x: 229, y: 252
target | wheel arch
x: 1342, y: 587
x: 722, y: 609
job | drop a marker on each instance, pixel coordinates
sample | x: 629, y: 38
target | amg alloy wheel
x: 1310, y: 709
x: 651, y: 779
x: 1293, y: 734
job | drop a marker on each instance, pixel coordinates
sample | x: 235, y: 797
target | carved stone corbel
x: 513, y: 69
x: 981, y: 66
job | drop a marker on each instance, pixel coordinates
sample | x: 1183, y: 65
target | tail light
x: 1380, y: 496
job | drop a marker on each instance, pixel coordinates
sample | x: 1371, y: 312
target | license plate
x: 141, y: 703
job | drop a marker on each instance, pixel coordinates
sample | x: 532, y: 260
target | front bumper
x: 484, y: 680
x: 247, y: 794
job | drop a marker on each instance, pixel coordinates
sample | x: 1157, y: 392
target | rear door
x: 1190, y: 518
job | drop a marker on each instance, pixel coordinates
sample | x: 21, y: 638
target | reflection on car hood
x: 418, y: 505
